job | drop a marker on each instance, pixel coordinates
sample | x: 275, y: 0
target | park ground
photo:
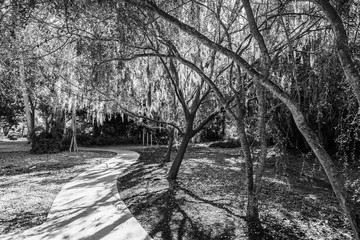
x: 29, y: 183
x: 207, y: 202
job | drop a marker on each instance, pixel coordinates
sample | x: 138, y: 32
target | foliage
x: 330, y: 107
x: 11, y: 107
x: 105, y: 140
x: 117, y: 57
x: 48, y: 142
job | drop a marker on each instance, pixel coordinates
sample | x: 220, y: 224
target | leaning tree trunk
x: 189, y: 133
x: 170, y: 144
x: 73, y: 144
x: 333, y: 174
x: 174, y: 170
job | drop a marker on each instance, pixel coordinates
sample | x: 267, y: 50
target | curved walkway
x: 89, y: 207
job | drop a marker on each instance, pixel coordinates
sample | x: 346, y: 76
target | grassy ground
x: 7, y: 145
x: 29, y: 183
x: 207, y: 203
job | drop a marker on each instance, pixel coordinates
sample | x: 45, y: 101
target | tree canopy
x: 283, y: 71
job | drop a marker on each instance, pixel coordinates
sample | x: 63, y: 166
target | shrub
x: 225, y: 144
x: 46, y: 145
x: 85, y: 140
x: 103, y: 140
x: 45, y: 142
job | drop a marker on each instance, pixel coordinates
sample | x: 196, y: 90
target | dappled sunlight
x: 203, y: 160
x: 311, y: 197
x: 272, y: 152
x: 283, y: 181
x: 178, y: 212
x: 210, y: 190
x: 290, y: 207
x: 283, y: 220
x: 29, y: 186
x: 234, y: 161
x: 89, y: 206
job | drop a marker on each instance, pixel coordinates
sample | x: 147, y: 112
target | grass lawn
x: 207, y: 203
x: 29, y: 183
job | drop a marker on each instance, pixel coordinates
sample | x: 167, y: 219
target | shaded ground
x: 29, y: 183
x: 7, y: 145
x: 208, y: 201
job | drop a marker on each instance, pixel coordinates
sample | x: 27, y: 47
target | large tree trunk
x: 26, y: 99
x: 174, y: 170
x: 333, y: 174
x: 189, y: 133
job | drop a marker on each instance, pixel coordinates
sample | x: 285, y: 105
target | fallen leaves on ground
x: 208, y: 199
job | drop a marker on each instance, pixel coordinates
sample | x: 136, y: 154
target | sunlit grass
x: 29, y: 183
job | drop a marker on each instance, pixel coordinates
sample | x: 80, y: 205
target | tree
x: 11, y: 106
x: 149, y: 87
x: 298, y: 115
x: 29, y: 111
x: 342, y: 45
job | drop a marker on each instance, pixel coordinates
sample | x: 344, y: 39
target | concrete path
x: 89, y: 207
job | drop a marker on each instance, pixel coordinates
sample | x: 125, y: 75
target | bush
x: 45, y: 142
x: 85, y: 140
x: 118, y: 140
x: 226, y: 144
x: 46, y: 145
x: 103, y: 140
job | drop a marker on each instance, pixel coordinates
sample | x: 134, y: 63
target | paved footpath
x: 89, y: 207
